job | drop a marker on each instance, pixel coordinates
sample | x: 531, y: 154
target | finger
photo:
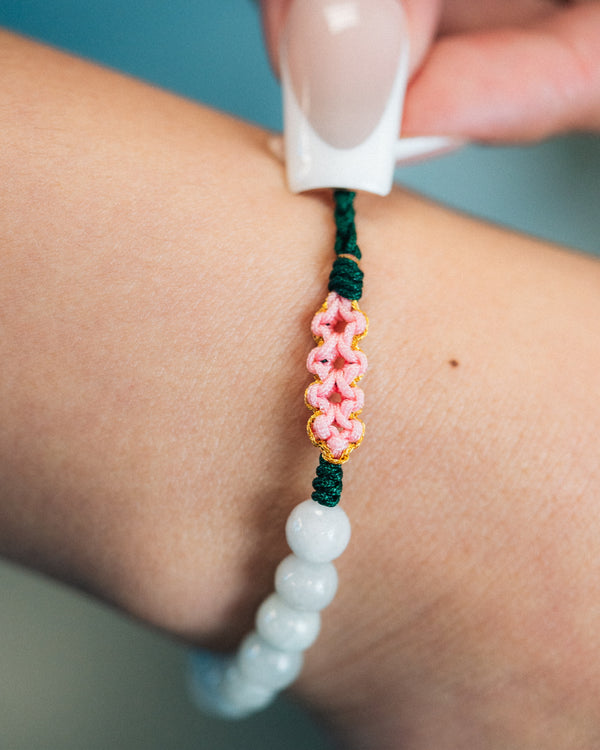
x: 461, y: 16
x: 421, y: 17
x: 512, y: 84
x: 274, y: 13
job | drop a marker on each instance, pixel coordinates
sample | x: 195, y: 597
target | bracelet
x: 270, y: 658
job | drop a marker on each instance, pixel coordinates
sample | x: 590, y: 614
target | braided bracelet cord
x: 318, y: 530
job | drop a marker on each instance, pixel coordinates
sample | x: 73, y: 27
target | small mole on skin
x: 453, y: 363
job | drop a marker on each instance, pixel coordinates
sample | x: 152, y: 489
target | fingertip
x: 422, y: 18
x: 274, y: 13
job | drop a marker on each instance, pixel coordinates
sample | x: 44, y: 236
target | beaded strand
x: 288, y: 621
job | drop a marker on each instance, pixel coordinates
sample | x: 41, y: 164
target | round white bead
x: 217, y: 687
x: 264, y: 665
x: 304, y: 585
x: 286, y: 628
x: 317, y: 533
x: 206, y: 671
x: 241, y: 696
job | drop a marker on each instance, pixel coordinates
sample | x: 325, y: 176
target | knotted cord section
x: 327, y: 485
x: 338, y: 364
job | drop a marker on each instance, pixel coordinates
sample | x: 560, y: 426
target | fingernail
x: 344, y: 69
x: 416, y: 148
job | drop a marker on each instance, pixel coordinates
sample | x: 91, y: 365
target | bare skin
x: 156, y: 289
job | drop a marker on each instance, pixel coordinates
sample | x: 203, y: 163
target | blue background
x: 73, y: 674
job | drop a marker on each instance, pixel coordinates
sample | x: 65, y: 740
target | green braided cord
x: 346, y: 277
x: 327, y: 484
x: 345, y: 241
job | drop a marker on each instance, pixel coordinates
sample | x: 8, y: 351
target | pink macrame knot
x: 338, y: 364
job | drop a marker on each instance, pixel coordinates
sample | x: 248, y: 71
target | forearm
x: 157, y: 283
x: 157, y: 286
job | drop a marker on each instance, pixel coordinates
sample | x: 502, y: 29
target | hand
x: 495, y: 71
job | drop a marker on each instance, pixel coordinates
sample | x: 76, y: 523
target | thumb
x: 422, y: 18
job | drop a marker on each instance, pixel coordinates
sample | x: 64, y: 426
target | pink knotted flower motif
x: 338, y: 364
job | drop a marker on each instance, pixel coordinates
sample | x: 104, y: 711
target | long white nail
x: 344, y: 70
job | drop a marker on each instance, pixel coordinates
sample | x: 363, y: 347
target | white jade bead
x: 304, y: 585
x: 218, y: 687
x: 264, y: 665
x: 284, y: 627
x: 317, y: 533
x: 241, y: 697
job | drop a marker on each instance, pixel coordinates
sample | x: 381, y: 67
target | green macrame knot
x: 346, y: 278
x: 327, y: 484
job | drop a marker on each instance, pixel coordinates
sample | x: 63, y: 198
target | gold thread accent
x: 350, y: 257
